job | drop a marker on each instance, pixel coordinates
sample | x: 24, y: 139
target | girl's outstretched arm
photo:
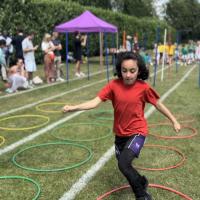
x: 164, y: 110
x: 83, y: 106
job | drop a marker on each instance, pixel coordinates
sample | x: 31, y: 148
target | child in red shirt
x: 128, y: 94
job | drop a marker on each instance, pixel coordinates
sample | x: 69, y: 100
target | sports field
x: 48, y: 155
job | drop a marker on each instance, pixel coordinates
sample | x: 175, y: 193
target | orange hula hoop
x: 184, y: 196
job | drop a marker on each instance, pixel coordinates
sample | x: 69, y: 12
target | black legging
x: 135, y: 180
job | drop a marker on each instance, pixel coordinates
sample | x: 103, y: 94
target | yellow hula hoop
x: 38, y: 107
x: 3, y: 140
x: 24, y: 128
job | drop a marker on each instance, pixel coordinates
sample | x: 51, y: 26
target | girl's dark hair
x: 143, y: 71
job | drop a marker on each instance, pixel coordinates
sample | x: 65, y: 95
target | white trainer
x: 77, y: 75
x: 60, y: 79
x: 25, y: 85
x: 82, y: 74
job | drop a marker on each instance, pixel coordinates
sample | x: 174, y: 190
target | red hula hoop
x: 165, y: 168
x: 184, y: 196
x: 194, y: 132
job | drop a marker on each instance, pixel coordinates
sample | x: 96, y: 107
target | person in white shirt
x: 128, y: 43
x: 29, y: 56
x: 3, y: 67
x: 197, y: 51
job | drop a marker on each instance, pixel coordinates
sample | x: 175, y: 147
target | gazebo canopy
x: 86, y: 22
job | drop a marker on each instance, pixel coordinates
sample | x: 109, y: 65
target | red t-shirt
x: 129, y: 103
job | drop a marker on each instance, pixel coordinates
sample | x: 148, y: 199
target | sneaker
x: 37, y: 80
x: 25, y: 85
x: 144, y: 182
x: 77, y: 75
x: 60, y: 79
x: 30, y: 86
x: 30, y: 82
x: 53, y: 80
x: 9, y: 91
x: 146, y: 197
x: 82, y: 74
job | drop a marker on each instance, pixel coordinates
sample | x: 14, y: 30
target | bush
x: 42, y: 16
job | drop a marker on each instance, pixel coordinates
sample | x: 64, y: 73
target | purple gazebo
x: 86, y: 22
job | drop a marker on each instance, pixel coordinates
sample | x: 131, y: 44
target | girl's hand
x: 68, y: 108
x: 177, y: 127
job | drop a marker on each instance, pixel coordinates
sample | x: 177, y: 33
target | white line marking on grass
x: 38, y: 133
x: 49, y: 127
x: 164, y: 96
x: 48, y: 85
x: 84, y: 180
x: 50, y: 98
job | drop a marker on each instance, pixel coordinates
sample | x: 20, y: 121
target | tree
x: 138, y: 8
x: 184, y: 16
x: 117, y: 5
x: 106, y: 4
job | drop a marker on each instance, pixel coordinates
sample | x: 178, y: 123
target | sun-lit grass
x: 183, y: 103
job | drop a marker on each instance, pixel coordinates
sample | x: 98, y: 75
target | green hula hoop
x: 2, y: 140
x: 102, y: 111
x: 37, y: 186
x: 24, y: 128
x: 38, y: 107
x: 82, y: 140
x: 57, y: 169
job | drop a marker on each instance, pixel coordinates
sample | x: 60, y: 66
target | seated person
x: 17, y: 77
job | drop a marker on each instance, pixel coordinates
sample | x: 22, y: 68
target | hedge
x: 41, y: 16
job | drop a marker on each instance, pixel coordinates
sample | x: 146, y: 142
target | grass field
x: 92, y: 130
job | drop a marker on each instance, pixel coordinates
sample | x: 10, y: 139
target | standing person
x: 128, y: 94
x: 17, y: 43
x: 8, y: 49
x: 148, y: 62
x: 49, y: 56
x: 29, y: 56
x: 170, y: 52
x: 128, y: 43
x: 135, y: 44
x: 78, y: 42
x: 184, y: 53
x: 197, y: 51
x: 161, y: 53
x: 3, y: 66
x: 177, y: 53
x: 57, y: 59
x: 191, y: 51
